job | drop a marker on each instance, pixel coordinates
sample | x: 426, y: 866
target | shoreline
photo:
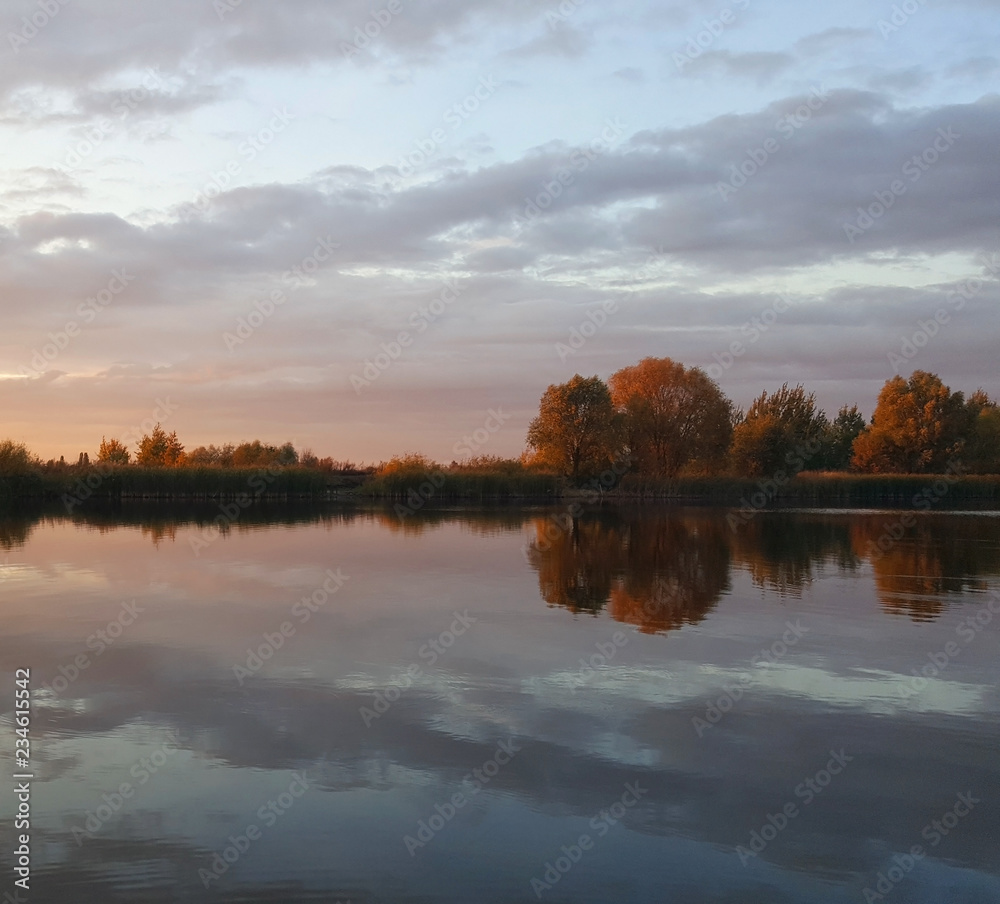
x: 293, y: 486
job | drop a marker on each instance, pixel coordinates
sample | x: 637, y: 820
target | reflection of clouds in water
x: 36, y: 579
x: 14, y: 572
x: 867, y: 690
x: 937, y: 695
x: 569, y: 765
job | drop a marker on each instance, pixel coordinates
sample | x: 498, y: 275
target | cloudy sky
x: 362, y: 226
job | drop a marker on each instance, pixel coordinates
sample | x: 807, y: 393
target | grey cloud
x: 139, y: 102
x: 833, y: 39
x: 91, y: 42
x: 761, y: 66
x: 907, y: 81
x: 792, y: 210
x: 562, y: 41
x: 502, y: 258
x: 630, y: 74
x: 38, y: 182
x: 790, y: 213
x: 977, y: 68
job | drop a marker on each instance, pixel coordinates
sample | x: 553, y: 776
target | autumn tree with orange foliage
x: 576, y: 432
x: 919, y: 426
x: 113, y: 452
x: 672, y: 416
x: 158, y: 449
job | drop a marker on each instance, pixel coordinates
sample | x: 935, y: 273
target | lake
x: 636, y: 705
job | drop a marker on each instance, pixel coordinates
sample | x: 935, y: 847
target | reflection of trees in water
x: 157, y: 528
x: 160, y: 530
x: 676, y: 569
x: 932, y: 558
x: 14, y: 531
x: 162, y: 520
x: 576, y: 561
x: 654, y: 568
x: 484, y: 523
x: 658, y: 572
x: 783, y: 552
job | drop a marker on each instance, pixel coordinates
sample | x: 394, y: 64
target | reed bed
x: 445, y: 485
x: 132, y: 482
x: 817, y: 489
x: 74, y: 485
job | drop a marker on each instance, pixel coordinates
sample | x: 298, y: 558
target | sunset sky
x: 473, y: 181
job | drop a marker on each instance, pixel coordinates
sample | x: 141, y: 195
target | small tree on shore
x: 15, y: 459
x: 113, y: 452
x: 159, y: 449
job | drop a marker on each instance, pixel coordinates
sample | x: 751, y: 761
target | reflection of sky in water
x: 695, y: 604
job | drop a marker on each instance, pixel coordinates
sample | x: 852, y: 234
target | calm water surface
x: 475, y: 706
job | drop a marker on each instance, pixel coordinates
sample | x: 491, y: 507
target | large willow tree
x: 672, y: 416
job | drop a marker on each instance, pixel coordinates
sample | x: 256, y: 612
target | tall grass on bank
x: 81, y: 483
x: 402, y: 477
x: 413, y: 477
x: 820, y: 488
x: 205, y: 482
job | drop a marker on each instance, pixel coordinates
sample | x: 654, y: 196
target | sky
x: 375, y: 228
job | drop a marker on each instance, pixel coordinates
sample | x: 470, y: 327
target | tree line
x: 656, y: 419
x: 159, y: 449
x: 668, y: 420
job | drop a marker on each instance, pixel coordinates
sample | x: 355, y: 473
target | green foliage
x: 211, y: 482
x: 982, y: 453
x: 781, y: 432
x: 839, y: 437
